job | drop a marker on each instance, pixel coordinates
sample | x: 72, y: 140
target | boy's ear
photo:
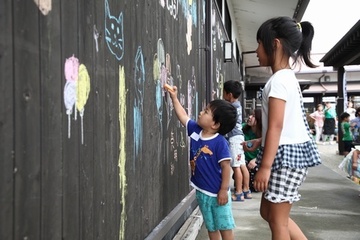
x: 215, y: 126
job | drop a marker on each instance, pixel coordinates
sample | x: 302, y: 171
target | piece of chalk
x: 168, y: 87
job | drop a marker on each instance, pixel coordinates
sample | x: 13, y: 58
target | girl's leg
x: 214, y: 235
x: 318, y: 134
x: 227, y: 234
x: 281, y: 225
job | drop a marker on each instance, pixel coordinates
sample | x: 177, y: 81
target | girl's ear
x: 277, y: 43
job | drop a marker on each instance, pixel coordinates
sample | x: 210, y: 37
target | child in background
x: 347, y: 134
x: 329, y: 123
x: 210, y: 162
x: 232, y: 91
x: 318, y: 116
x: 287, y: 148
x: 252, y: 132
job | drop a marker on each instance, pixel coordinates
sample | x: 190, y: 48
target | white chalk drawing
x: 44, y: 6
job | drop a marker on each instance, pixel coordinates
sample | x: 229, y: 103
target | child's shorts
x: 284, y: 184
x: 347, y: 146
x: 216, y: 217
x: 237, y: 151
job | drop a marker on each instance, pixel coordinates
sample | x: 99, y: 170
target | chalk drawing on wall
x: 219, y: 81
x: 169, y: 80
x: 192, y: 95
x: 189, y: 34
x: 82, y: 95
x: 139, y: 81
x: 114, y: 35
x: 44, y: 6
x: 71, y: 72
x: 189, y: 7
x: 122, y: 151
x: 96, y: 36
x: 173, y: 7
x: 76, y: 91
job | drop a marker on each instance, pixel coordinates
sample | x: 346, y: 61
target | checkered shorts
x: 284, y: 184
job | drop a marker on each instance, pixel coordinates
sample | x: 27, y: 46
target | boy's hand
x: 222, y: 197
x: 172, y: 90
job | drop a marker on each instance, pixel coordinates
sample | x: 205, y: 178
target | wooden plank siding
x: 7, y: 126
x: 123, y: 166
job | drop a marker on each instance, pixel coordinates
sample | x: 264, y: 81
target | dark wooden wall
x: 124, y: 166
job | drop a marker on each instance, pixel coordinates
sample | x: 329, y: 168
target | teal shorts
x: 216, y: 217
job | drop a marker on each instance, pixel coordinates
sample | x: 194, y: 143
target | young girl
x: 318, y: 116
x: 287, y: 148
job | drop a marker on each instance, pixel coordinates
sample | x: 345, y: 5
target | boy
x: 210, y: 162
x: 232, y: 91
x: 347, y: 135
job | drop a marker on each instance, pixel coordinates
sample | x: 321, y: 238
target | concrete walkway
x: 328, y: 210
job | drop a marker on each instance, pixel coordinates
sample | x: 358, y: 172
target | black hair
x: 233, y: 87
x: 225, y: 114
x: 295, y: 38
x: 258, y: 118
x: 357, y: 112
x: 344, y: 115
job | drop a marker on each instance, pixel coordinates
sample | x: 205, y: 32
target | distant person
x: 287, y: 148
x: 347, y: 134
x: 329, y: 123
x: 351, y: 110
x: 232, y: 91
x: 210, y: 162
x: 318, y: 117
x: 252, y: 132
x: 355, y: 124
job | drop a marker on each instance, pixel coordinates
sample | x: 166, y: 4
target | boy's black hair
x: 295, y: 38
x: 225, y: 114
x: 344, y: 115
x: 233, y: 87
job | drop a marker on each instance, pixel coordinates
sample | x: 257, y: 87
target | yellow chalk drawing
x: 156, y: 69
x: 82, y: 94
x: 122, y: 154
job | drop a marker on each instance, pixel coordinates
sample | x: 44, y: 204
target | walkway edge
x: 191, y: 227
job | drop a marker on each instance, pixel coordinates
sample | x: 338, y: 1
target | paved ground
x: 328, y: 210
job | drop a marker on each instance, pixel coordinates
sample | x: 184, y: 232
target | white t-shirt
x: 284, y: 85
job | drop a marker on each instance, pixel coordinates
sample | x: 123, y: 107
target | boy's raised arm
x: 179, y: 110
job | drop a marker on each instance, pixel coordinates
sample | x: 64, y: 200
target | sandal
x: 247, y: 194
x: 238, y: 197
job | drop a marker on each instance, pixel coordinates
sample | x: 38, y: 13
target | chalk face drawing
x: 139, y: 80
x: 114, y: 33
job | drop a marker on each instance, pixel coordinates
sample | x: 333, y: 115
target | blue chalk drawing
x: 139, y: 80
x: 114, y: 35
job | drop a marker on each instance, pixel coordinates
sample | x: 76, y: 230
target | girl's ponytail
x: 304, y: 51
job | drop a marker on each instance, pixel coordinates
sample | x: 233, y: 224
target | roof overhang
x: 346, y: 51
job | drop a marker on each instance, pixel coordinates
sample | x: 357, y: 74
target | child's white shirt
x: 284, y: 85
